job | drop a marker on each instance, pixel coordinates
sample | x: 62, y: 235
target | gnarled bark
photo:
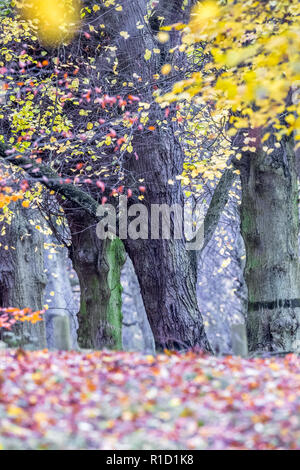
x: 22, y: 278
x: 167, y: 277
x: 166, y: 270
x: 270, y: 225
x: 97, y: 264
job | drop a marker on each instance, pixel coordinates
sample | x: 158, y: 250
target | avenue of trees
x: 164, y: 102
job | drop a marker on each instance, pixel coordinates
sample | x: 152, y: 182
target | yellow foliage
x: 55, y: 22
x: 255, y: 56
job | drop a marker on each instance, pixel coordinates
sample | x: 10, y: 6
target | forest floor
x: 121, y: 400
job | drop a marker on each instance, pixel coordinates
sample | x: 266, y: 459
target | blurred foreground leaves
x: 121, y: 400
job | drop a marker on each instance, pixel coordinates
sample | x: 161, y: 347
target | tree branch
x: 52, y: 181
x: 217, y: 205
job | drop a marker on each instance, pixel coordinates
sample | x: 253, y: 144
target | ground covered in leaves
x: 121, y: 400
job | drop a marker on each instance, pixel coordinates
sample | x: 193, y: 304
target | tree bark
x: 217, y: 205
x: 167, y: 277
x: 269, y: 226
x: 166, y: 270
x: 22, y: 278
x: 62, y: 308
x: 97, y: 264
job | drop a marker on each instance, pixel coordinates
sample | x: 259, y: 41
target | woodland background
x: 142, y: 343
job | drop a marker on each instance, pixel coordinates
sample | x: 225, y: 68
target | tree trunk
x: 62, y: 307
x: 22, y: 278
x: 269, y: 225
x: 166, y: 270
x: 98, y: 264
x: 167, y: 278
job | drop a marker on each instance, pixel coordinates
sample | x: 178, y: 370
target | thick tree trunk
x: 269, y: 225
x: 167, y: 277
x: 166, y: 270
x: 22, y: 278
x: 98, y: 264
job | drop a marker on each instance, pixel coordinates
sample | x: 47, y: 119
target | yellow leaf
x: 290, y: 119
x: 124, y: 34
x: 166, y: 69
x: 14, y: 411
x: 148, y: 54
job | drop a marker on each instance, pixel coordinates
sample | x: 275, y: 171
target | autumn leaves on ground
x: 121, y: 400
x: 159, y: 102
